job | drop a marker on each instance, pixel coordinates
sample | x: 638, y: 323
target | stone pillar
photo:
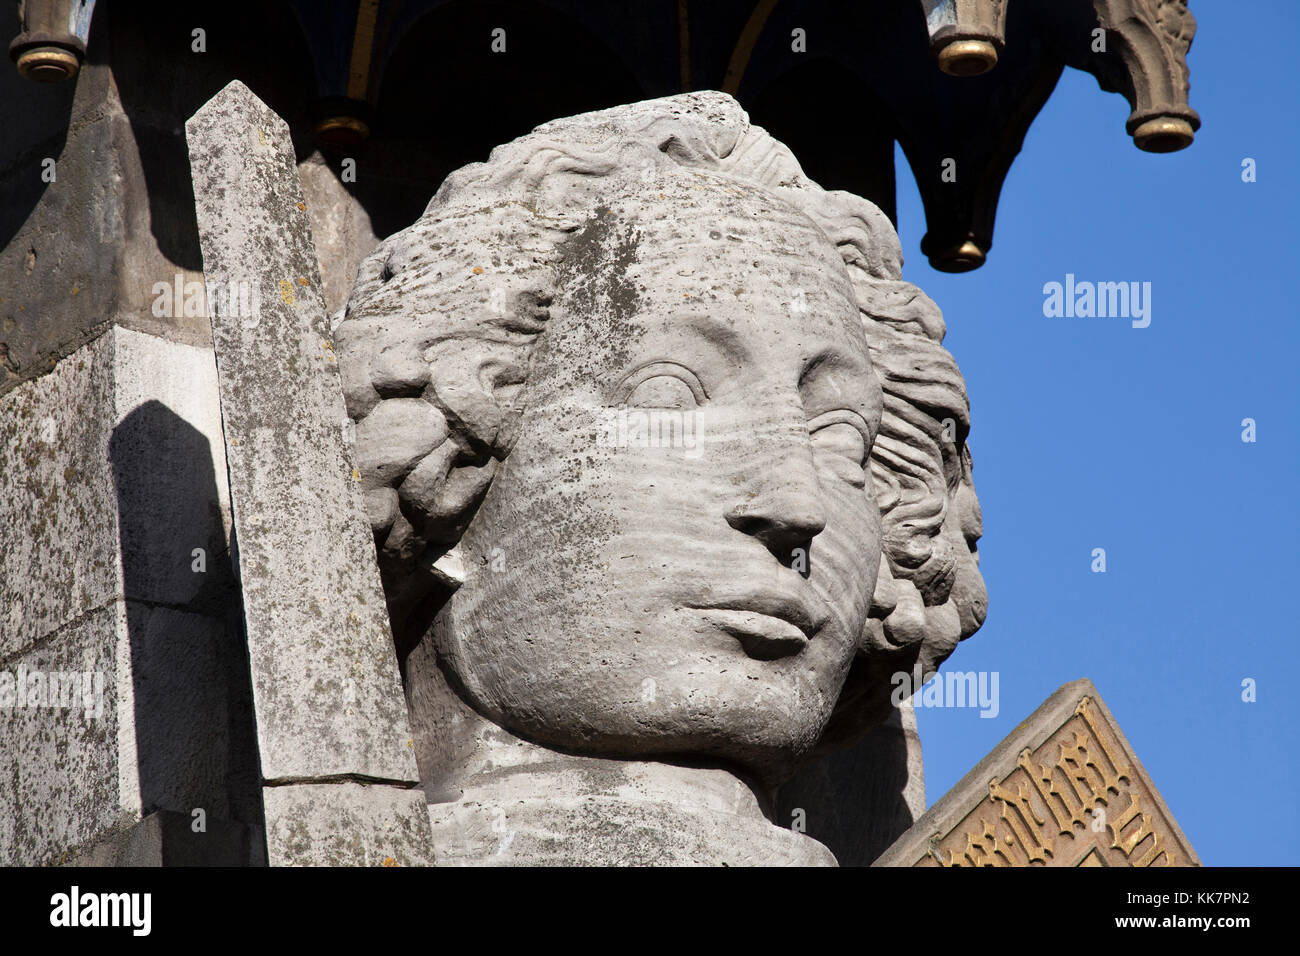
x: 339, y: 777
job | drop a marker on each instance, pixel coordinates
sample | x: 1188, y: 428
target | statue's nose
x: 785, y: 514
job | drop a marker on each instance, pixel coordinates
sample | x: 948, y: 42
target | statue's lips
x: 768, y: 626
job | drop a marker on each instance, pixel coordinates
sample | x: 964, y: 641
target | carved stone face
x: 965, y: 525
x: 955, y: 602
x: 703, y: 599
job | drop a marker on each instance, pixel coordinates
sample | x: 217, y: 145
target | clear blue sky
x: 1088, y: 433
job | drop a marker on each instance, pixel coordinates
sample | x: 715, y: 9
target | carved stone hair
x: 448, y: 311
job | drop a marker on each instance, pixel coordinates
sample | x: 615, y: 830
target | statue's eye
x: 661, y: 391
x: 843, y: 439
x: 663, y: 385
x: 846, y: 443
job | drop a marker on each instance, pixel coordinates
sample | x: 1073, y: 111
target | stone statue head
x: 929, y: 593
x: 615, y: 412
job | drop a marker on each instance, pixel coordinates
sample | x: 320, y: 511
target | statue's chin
x: 747, y: 743
x: 769, y: 753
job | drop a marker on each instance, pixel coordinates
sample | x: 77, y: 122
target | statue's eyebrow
x: 836, y: 358
x: 720, y: 333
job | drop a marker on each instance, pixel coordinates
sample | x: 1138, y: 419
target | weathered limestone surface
x: 1063, y: 789
x: 347, y: 824
x: 69, y: 773
x: 325, y: 680
x: 340, y: 227
x: 114, y: 567
x: 166, y: 838
x: 84, y: 481
x: 592, y: 812
x: 58, y: 550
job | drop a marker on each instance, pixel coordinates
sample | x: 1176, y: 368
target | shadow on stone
x: 34, y: 117
x: 853, y: 799
x: 194, y: 724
